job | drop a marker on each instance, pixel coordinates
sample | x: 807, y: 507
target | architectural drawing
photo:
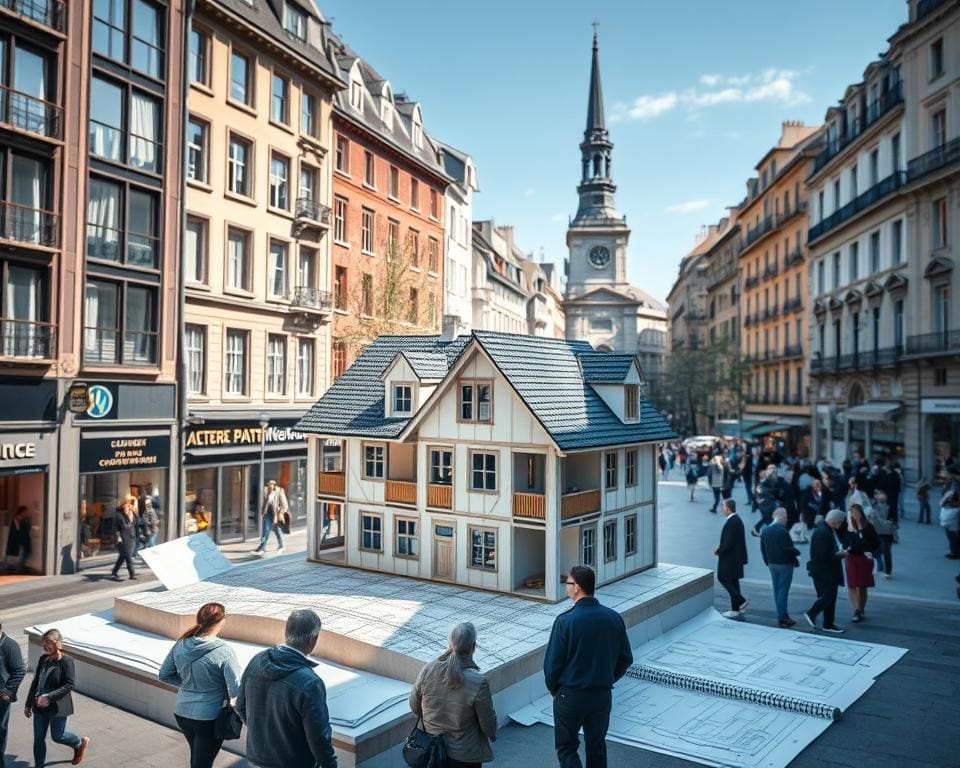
x: 837, y: 651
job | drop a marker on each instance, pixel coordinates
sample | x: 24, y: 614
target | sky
x: 695, y: 93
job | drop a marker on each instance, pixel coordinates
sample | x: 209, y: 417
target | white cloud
x: 690, y: 206
x: 558, y: 217
x: 645, y: 107
x: 528, y: 192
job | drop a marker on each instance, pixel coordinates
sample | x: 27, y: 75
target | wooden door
x: 444, y: 553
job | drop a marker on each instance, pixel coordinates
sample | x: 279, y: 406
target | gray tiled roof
x: 546, y: 374
x: 428, y: 365
x: 605, y: 368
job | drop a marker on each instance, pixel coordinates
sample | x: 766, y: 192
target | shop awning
x: 875, y: 410
x: 763, y: 429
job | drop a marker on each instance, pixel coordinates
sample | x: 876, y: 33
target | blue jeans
x: 782, y: 576
x: 58, y: 730
x: 923, y: 516
x: 266, y: 523
x: 884, y: 555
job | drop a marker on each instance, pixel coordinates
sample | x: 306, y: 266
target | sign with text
x: 114, y: 454
x: 240, y: 435
x: 186, y: 560
x: 940, y: 405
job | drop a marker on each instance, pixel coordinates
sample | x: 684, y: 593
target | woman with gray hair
x: 454, y: 701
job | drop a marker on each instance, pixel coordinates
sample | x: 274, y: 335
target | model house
x: 493, y: 460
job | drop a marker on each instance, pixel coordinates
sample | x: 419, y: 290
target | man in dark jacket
x: 781, y: 557
x: 587, y: 653
x: 770, y: 493
x: 732, y: 556
x: 283, y: 702
x: 826, y: 569
x: 12, y: 672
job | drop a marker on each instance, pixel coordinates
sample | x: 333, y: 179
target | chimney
x: 451, y: 327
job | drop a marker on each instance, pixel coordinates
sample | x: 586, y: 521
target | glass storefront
x: 101, y: 495
x: 946, y: 442
x: 23, y: 509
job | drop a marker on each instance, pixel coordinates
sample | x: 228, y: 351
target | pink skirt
x: 859, y: 571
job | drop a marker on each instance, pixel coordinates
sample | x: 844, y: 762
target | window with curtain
x: 199, y: 47
x: 235, y: 372
x: 308, y: 257
x: 240, y: 89
x: 101, y: 330
x: 308, y: 183
x: 24, y: 308
x: 195, y: 343
x: 196, y: 150
x: 26, y: 220
x: 106, y: 119
x: 103, y: 220
x: 144, y: 132
x: 279, y: 99
x: 279, y: 182
x: 308, y: 113
x: 140, y: 337
x: 195, y: 251
x: 305, y: 366
x: 238, y: 180
x: 26, y: 109
x: 238, y: 244
x: 142, y: 240
x: 276, y: 364
x: 277, y: 284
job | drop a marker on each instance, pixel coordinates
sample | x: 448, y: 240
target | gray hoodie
x: 206, y: 673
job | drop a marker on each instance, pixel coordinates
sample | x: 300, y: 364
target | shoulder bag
x: 228, y: 724
x: 421, y: 750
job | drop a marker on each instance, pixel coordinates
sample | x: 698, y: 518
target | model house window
x: 366, y: 231
x: 199, y: 57
x: 610, y: 470
x: 122, y: 220
x: 407, y: 538
x: 196, y: 150
x: 279, y: 99
x: 588, y: 546
x: 238, y: 259
x: 124, y: 125
x: 279, y: 182
x: 610, y: 541
x: 308, y: 114
x: 371, y: 532
x: 340, y: 288
x: 295, y: 22
x: 276, y: 364
x: 415, y: 194
x: 340, y: 220
x: 130, y: 32
x: 630, y: 535
x: 241, y: 88
x: 936, y: 58
x: 630, y: 467
x: 239, y: 159
x: 433, y: 259
x: 356, y: 95
x: 366, y: 295
x: 195, y: 251
x: 305, y: 367
x: 483, y: 474
x: 373, y: 462
x: 441, y: 466
x: 277, y: 272
x: 120, y: 323
x: 475, y: 401
x: 394, y: 182
x: 402, y: 398
x: 483, y: 549
x: 896, y: 241
x: 631, y: 402
x: 940, y: 223
x: 235, y: 363
x: 195, y: 343
x: 369, y: 175
x: 342, y: 158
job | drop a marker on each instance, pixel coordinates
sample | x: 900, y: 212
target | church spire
x: 595, y: 121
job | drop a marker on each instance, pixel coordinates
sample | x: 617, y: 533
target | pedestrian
x: 826, y: 568
x: 283, y: 702
x: 12, y: 671
x: 453, y: 699
x: 880, y: 518
x: 127, y: 523
x: 855, y: 494
x: 50, y: 701
x: 587, y: 653
x: 923, y: 497
x: 861, y: 541
x: 715, y: 475
x: 692, y: 478
x: 273, y: 515
x: 811, y: 500
x: 950, y: 522
x: 732, y: 556
x: 682, y: 458
x: 19, y: 543
x: 729, y: 478
x: 662, y: 463
x: 149, y: 524
x: 888, y: 481
x: 781, y: 557
x: 746, y: 472
x: 769, y: 498
x: 206, y: 674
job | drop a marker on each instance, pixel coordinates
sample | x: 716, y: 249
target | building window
x: 938, y: 128
x: 122, y: 224
x: 371, y: 532
x: 415, y: 194
x: 120, y: 325
x: 342, y: 158
x: 238, y: 259
x: 306, y: 270
x: 138, y: 43
x: 483, y: 548
x: 369, y: 175
x: 373, y: 462
x: 874, y: 252
x: 588, y: 545
x: 340, y: 288
x: 483, y: 471
x: 630, y: 535
x: 836, y: 270
x: 940, y: 223
x: 433, y: 258
x: 195, y: 346
x: 394, y: 182
x: 239, y: 159
x: 896, y: 242
x: 408, y: 544
x: 308, y: 114
x: 895, y: 152
x: 340, y: 220
x: 199, y: 57
x: 854, y: 261
x: 235, y: 363
x: 417, y: 134
x: 434, y: 204
x: 393, y: 237
x: 276, y: 364
x: 936, y: 58
x: 277, y: 272
x: 279, y: 99
x: 305, y: 367
x: 366, y: 231
x: 630, y: 467
x: 241, y: 85
x: 941, y: 310
x: 821, y: 277
x: 126, y: 129
x: 195, y: 251
x: 609, y: 541
x: 308, y: 187
x: 402, y: 398
x: 356, y: 95
x: 610, y: 470
x: 413, y: 307
x: 413, y: 247
x: 631, y: 402
x: 898, y: 326
x: 432, y: 308
x: 295, y: 22
x: 366, y: 297
x: 196, y: 150
x: 441, y: 466
x: 476, y: 401
x: 338, y: 351
x: 279, y: 182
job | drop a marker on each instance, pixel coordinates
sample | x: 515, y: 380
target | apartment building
x: 499, y: 287
x: 772, y: 258
x: 545, y: 315
x: 687, y: 298
x: 258, y: 307
x: 457, y: 299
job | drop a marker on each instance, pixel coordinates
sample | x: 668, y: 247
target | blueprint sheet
x: 721, y: 731
x: 187, y: 560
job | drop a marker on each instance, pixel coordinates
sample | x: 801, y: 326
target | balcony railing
x: 792, y: 304
x: 751, y: 281
x: 794, y: 257
x: 579, y: 503
x: 46, y: 12
x: 304, y: 297
x: 530, y: 505
x: 332, y: 483
x: 27, y: 339
x: 29, y: 225
x: 771, y: 313
x: 440, y: 496
x: 311, y: 216
x: 934, y: 159
x: 401, y: 492
x: 891, y: 98
x: 114, y: 346
x: 30, y: 114
x: 791, y: 351
x: 770, y: 270
x: 755, y: 233
x: 747, y: 320
x: 934, y: 343
x: 106, y: 243
x: 861, y: 202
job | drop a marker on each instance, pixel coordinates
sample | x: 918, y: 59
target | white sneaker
x: 731, y: 614
x: 257, y: 552
x: 281, y: 550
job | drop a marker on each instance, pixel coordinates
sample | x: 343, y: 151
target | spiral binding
x: 731, y: 691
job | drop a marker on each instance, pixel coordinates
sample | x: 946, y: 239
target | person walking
x: 273, y: 514
x: 693, y: 478
x: 12, y: 671
x: 715, y: 474
x: 923, y: 498
x: 885, y: 527
x: 50, y: 701
x: 127, y: 523
x: 769, y: 493
x: 950, y: 522
x: 283, y: 702
x: 746, y: 473
x: 587, y: 653
x: 453, y: 699
x: 781, y: 557
x: 149, y: 524
x: 19, y: 543
x: 861, y: 540
x: 732, y: 556
x: 826, y: 568
x: 729, y: 479
x: 206, y: 674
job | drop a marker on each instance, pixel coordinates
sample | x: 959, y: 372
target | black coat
x: 59, y: 687
x: 862, y: 541
x: 127, y: 531
x: 825, y: 563
x: 18, y: 539
x: 732, y: 552
x: 12, y: 667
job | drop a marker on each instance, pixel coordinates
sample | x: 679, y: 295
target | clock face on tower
x: 599, y: 256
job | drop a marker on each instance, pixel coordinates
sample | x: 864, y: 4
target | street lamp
x: 264, y: 423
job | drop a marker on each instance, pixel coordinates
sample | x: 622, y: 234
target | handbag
x: 228, y: 724
x: 421, y: 750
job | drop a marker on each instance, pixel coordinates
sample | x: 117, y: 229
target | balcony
x: 33, y: 226
x: 400, y: 486
x: 440, y: 496
x: 332, y: 483
x: 771, y: 270
x: 27, y: 340
x: 530, y: 506
x: 860, y: 203
x: 934, y: 159
x: 771, y: 313
x: 752, y: 281
x: 106, y: 345
x: 792, y: 351
x: 943, y: 342
x: 311, y: 218
x: 747, y: 320
x: 755, y: 233
x: 579, y: 503
x: 890, y: 99
x: 792, y: 304
x: 29, y: 114
x: 310, y: 307
x: 794, y: 257
x: 49, y: 13
x: 401, y: 492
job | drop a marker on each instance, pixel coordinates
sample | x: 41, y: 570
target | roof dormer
x: 409, y: 380
x: 416, y: 127
x: 356, y: 86
x: 386, y: 106
x: 618, y: 381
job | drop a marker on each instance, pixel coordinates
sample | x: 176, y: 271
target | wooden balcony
x: 579, y: 503
x: 401, y: 492
x: 332, y: 484
x: 532, y: 506
x: 440, y: 496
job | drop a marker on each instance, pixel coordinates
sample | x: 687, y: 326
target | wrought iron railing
x: 861, y: 202
x: 29, y: 225
x: 27, y: 339
x: 934, y: 159
x: 310, y: 209
x: 891, y: 98
x: 28, y: 113
x: 934, y: 343
x: 311, y: 298
x: 46, y: 12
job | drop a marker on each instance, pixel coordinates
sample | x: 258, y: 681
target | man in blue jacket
x: 12, y: 672
x: 587, y: 653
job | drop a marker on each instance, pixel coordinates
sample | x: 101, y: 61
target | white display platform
x: 187, y: 560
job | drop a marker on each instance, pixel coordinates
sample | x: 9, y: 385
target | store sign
x: 940, y: 405
x: 78, y: 398
x: 24, y: 450
x: 230, y: 437
x: 114, y: 454
x: 100, y: 401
